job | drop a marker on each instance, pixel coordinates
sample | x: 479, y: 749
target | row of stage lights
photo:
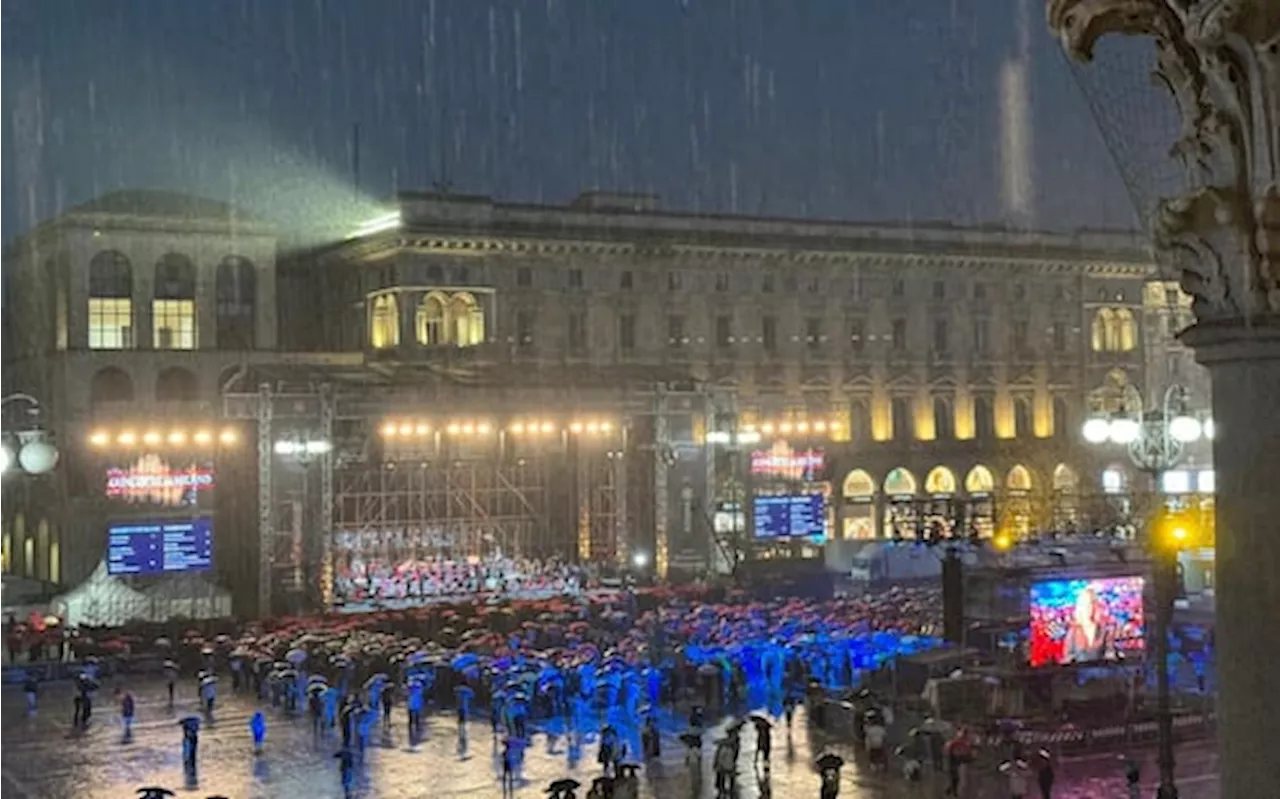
x: 200, y: 437
x: 410, y: 430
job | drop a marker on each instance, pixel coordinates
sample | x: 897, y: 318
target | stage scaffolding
x: 566, y: 496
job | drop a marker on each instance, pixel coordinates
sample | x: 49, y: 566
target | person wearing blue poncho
x: 258, y: 728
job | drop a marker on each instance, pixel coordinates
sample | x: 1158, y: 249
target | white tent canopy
x: 101, y: 600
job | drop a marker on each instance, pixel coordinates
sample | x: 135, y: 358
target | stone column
x: 1220, y: 59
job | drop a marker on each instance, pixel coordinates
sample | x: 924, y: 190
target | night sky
x: 856, y: 109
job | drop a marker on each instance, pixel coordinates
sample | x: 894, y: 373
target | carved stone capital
x: 1220, y: 60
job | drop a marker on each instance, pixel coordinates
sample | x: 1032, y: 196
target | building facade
x: 940, y: 373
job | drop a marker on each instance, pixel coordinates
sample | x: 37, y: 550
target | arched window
x: 466, y: 320
x: 943, y: 419
x: 1061, y: 418
x: 983, y: 419
x: 1023, y: 424
x: 1065, y: 479
x: 110, y: 302
x: 979, y: 480
x: 899, y: 483
x: 110, y: 385
x: 1101, y: 329
x: 176, y: 384
x: 237, y: 295
x: 1126, y: 331
x: 384, y: 322
x: 900, y: 418
x: 858, y: 484
x: 173, y: 309
x: 1019, y: 479
x: 1066, y: 487
x: 940, y: 480
x: 430, y: 322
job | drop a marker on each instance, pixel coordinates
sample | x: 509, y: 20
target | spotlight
x: 151, y: 438
x: 227, y: 436
x: 803, y: 427
x: 452, y: 429
x: 548, y: 427
x: 767, y: 428
x: 785, y: 427
x: 388, y: 429
x: 127, y: 438
x: 177, y: 438
x: 203, y: 437
x: 468, y: 429
x: 606, y: 427
x: 517, y: 428
x: 483, y: 428
x: 422, y: 429
x: 99, y: 439
x: 406, y: 430
x: 821, y: 427
x: 593, y: 428
x: 576, y: 427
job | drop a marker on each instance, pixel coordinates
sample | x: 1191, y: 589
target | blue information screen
x: 790, y: 516
x: 184, y: 545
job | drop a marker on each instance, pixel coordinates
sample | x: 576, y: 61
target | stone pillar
x: 1220, y: 59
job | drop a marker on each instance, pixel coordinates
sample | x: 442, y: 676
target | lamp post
x: 1156, y: 440
x: 35, y: 453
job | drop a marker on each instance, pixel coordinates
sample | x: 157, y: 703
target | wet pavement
x: 40, y: 757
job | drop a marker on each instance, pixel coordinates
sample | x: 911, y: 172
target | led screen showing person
x: 1086, y: 621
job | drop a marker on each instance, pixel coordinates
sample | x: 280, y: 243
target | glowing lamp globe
x: 1125, y: 431
x: 1097, y: 430
x: 38, y: 457
x: 6, y: 458
x: 1185, y: 429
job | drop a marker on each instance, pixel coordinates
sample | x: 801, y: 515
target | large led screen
x: 160, y: 481
x: 790, y: 516
x: 160, y: 547
x: 1086, y: 621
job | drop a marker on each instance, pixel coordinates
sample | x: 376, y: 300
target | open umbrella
x: 563, y: 786
x: 154, y: 792
x: 691, y: 739
x: 829, y: 762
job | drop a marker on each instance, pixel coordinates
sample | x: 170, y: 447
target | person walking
x: 508, y: 768
x: 347, y: 770
x: 1045, y: 773
x: 1018, y: 773
x: 258, y: 728
x: 31, y: 688
x: 127, y: 707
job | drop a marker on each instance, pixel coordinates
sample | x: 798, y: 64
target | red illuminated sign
x: 785, y: 463
x: 151, y: 480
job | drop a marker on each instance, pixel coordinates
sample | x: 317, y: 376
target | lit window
x: 1100, y: 330
x: 110, y: 323
x: 1126, y: 333
x: 1206, y: 481
x: 1113, y: 481
x: 430, y: 320
x: 1176, y: 482
x: 384, y: 322
x: 467, y: 320
x: 174, y: 322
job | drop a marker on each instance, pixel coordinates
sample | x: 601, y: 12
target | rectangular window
x: 110, y: 323
x: 1059, y: 337
x: 524, y: 277
x: 174, y: 322
x: 524, y: 329
x: 626, y: 281
x: 1020, y: 332
x: 676, y: 337
x: 898, y: 287
x: 575, y: 278
x: 769, y: 334
x: 981, y: 337
x: 899, y: 335
x: 627, y: 332
x: 766, y: 283
x: 675, y: 281
x: 856, y: 338
x: 577, y: 332
x: 724, y: 332
x: 813, y: 337
x: 941, y: 339
x: 722, y: 281
x: 939, y: 290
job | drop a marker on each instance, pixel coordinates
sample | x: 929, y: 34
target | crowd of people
x: 365, y: 582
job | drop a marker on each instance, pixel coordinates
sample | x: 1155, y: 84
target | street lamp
x: 1156, y: 440
x: 32, y: 450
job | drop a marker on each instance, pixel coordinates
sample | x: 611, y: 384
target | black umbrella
x: 691, y: 739
x: 830, y: 762
x: 560, y: 786
x: 761, y: 721
x: 154, y: 792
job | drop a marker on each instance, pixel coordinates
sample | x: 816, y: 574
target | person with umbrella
x: 170, y: 677
x: 627, y: 784
x: 726, y: 766
x: 154, y: 792
x: 829, y: 766
x: 764, y: 739
x: 510, y: 762
x: 608, y: 747
x: 208, y: 693
x: 601, y: 788
x: 127, y: 707
x: 650, y: 740
x: 1045, y: 773
x: 563, y: 789
x: 388, y: 698
x: 347, y: 770
x: 693, y: 749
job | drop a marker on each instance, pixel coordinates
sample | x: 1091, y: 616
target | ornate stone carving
x: 1220, y: 60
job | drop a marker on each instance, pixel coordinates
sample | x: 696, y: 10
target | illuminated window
x: 173, y: 309
x: 1126, y: 331
x: 174, y: 323
x: 1099, y: 331
x: 1113, y: 481
x: 110, y: 302
x: 430, y: 320
x: 1114, y: 330
x: 467, y: 320
x: 384, y: 322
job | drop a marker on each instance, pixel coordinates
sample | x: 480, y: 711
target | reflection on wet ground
x: 42, y: 758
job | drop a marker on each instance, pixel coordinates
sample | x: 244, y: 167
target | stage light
x: 749, y: 437
x: 803, y: 427
x: 576, y: 427
x: 483, y: 428
x: 517, y: 428
x: 388, y: 429
x: 405, y: 430
x: 606, y: 427
x: 227, y: 436
x: 821, y: 427
x: 177, y: 438
x: 99, y: 439
x: 785, y: 427
x: 640, y: 560
x: 127, y: 438
x: 151, y: 438
x: 203, y: 437
x: 548, y: 427
x: 593, y: 428
x: 422, y: 429
x: 767, y: 428
x: 468, y: 429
